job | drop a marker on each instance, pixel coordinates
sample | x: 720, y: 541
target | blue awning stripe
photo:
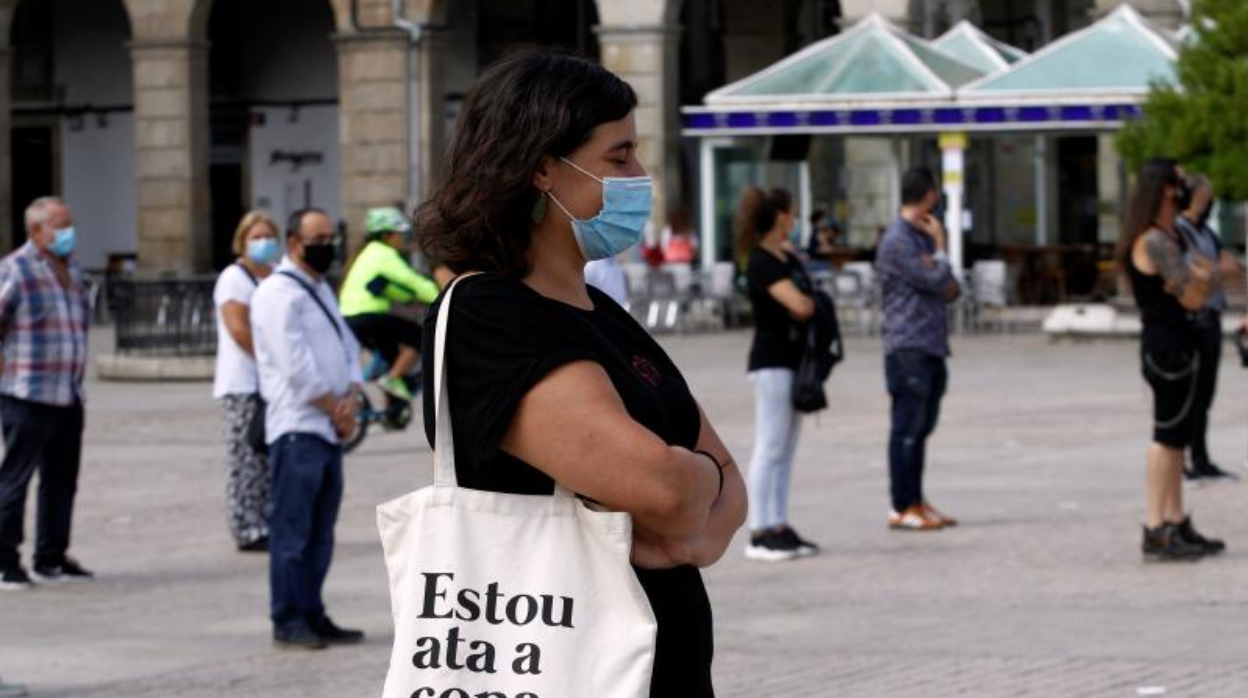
x: 910, y: 119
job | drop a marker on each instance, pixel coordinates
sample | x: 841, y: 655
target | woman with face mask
x: 550, y: 380
x: 781, y: 294
x: 236, y: 385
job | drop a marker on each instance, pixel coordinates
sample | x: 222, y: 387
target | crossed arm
x: 1190, y: 281
x: 574, y: 427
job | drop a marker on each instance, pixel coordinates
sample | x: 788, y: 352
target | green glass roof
x: 971, y: 46
x: 1120, y: 53
x: 871, y: 60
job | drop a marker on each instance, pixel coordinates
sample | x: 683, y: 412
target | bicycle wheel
x: 364, y: 418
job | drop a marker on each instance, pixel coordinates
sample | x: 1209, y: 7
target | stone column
x: 171, y: 125
x: 1109, y: 187
x: 646, y: 57
x: 373, y: 119
x: 897, y: 11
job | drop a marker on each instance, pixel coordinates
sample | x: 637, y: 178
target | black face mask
x: 1204, y: 217
x: 1185, y: 196
x: 319, y: 257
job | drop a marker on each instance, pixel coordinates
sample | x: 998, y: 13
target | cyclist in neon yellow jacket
x: 379, y: 277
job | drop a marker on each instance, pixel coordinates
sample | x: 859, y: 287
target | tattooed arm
x: 1189, y: 281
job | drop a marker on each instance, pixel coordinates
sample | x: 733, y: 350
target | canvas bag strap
x: 444, y: 439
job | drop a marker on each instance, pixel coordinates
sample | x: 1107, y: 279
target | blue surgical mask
x: 63, y: 244
x: 262, y: 251
x: 621, y: 222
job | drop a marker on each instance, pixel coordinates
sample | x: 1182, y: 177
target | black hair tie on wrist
x: 719, y: 468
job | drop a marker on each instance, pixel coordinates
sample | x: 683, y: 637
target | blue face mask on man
x: 621, y: 222
x: 262, y: 251
x: 63, y: 243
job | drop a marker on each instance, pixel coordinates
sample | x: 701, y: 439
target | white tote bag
x: 509, y: 596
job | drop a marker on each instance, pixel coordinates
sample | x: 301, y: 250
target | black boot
x: 1211, y: 546
x: 1165, y: 544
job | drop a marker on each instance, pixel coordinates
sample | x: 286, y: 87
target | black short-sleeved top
x: 503, y: 338
x: 777, y: 336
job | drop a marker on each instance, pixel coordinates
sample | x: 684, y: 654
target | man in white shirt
x: 608, y: 276
x: 308, y: 362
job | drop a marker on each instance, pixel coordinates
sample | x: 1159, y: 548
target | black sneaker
x: 1209, y: 471
x: 259, y: 545
x: 768, y: 546
x: 1166, y: 544
x: 1188, y: 532
x: 334, y: 635
x: 67, y: 572
x: 804, y: 547
x: 298, y: 638
x: 15, y: 579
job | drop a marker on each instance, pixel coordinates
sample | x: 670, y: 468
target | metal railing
x: 169, y: 317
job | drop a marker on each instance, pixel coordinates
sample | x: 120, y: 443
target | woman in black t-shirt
x: 1169, y: 287
x: 550, y: 380
x: 781, y: 295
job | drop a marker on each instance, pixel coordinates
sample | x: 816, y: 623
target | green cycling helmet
x: 386, y: 219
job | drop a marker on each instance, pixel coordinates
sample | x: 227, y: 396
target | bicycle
x: 393, y: 414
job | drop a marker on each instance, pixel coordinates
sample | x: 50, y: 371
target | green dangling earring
x: 539, y: 209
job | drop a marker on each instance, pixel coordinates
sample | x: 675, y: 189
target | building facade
x: 161, y: 121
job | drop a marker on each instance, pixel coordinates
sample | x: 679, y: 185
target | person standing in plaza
x: 781, y: 296
x: 237, y: 385
x: 309, y: 368
x: 1171, y: 287
x: 550, y: 381
x: 917, y: 284
x: 44, y: 315
x: 607, y: 275
x: 1192, y: 222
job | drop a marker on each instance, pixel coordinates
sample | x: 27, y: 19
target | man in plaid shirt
x: 44, y: 311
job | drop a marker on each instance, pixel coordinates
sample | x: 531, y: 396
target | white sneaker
x: 15, y: 579
x: 770, y: 547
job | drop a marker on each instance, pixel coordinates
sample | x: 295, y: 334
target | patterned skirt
x: 248, y: 480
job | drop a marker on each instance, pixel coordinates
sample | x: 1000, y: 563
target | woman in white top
x: 237, y: 385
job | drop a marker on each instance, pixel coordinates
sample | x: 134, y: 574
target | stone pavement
x: 1041, y: 591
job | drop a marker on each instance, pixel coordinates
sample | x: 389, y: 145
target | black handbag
x: 821, y: 351
x: 808, y: 393
x: 255, y: 428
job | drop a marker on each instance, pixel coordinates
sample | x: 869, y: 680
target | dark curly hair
x: 529, y: 105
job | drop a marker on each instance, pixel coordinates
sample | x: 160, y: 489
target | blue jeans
x: 916, y: 382
x: 776, y: 426
x: 307, y: 489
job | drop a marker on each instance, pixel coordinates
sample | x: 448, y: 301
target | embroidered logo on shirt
x: 647, y: 371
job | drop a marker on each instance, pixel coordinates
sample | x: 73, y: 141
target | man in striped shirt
x: 44, y: 311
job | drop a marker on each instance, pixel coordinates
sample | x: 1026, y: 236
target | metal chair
x: 990, y: 293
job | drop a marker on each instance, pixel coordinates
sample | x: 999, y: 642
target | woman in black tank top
x: 1169, y: 286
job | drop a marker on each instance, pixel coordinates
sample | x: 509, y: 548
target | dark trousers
x: 916, y: 382
x: 307, y: 489
x: 47, y: 438
x: 1206, y: 386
